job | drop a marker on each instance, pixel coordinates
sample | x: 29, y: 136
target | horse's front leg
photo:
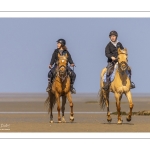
x: 51, y: 116
x: 58, y: 106
x: 106, y: 96
x: 63, y: 108
x: 51, y: 97
x: 69, y: 97
x: 129, y: 97
x: 118, y: 98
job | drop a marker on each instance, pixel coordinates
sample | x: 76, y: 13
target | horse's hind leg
x: 129, y: 97
x: 106, y: 95
x: 63, y: 108
x: 51, y: 117
x: 69, y: 97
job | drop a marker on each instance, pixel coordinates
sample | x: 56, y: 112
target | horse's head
x: 62, y: 63
x: 122, y: 59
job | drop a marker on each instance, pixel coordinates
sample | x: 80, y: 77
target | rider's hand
x: 50, y: 66
x: 113, y: 58
x: 72, y: 65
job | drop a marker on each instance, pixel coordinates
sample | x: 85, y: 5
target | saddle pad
x: 112, y: 76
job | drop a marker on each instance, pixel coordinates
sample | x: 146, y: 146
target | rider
x: 111, y: 52
x: 61, y: 49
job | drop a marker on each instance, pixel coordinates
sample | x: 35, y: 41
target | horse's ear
x: 66, y: 55
x: 119, y: 50
x: 126, y: 51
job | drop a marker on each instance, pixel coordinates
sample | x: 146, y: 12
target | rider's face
x: 113, y: 38
x: 58, y: 45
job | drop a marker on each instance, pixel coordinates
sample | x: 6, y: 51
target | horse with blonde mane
x: 119, y: 86
x: 60, y: 88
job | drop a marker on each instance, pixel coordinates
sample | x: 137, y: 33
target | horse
x: 119, y: 86
x: 60, y: 88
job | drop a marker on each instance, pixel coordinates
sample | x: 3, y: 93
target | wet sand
x: 27, y: 113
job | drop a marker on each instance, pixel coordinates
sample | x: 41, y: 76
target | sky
x: 27, y: 44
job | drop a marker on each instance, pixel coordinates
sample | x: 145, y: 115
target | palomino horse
x: 60, y: 87
x: 119, y: 86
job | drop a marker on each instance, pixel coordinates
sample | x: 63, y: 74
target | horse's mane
x: 63, y: 57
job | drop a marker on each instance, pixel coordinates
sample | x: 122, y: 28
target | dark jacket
x: 54, y: 58
x: 111, y: 50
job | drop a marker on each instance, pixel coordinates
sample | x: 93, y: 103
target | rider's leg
x: 72, y: 77
x: 132, y: 85
x: 50, y: 78
x: 110, y: 69
x: 49, y: 81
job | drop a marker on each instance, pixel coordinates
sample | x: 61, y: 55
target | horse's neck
x: 61, y: 79
x: 120, y: 75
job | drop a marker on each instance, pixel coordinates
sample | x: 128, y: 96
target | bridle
x: 59, y: 73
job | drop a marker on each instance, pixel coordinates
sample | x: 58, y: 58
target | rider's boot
x: 72, y: 89
x: 107, y: 83
x: 49, y: 86
x: 132, y: 85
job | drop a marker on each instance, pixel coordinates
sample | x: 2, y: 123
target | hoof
x: 71, y: 118
x: 119, y: 122
x: 109, y: 120
x: 51, y: 121
x: 128, y: 118
x: 63, y: 120
x: 59, y: 121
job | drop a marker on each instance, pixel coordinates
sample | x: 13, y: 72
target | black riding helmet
x: 113, y: 33
x: 61, y: 41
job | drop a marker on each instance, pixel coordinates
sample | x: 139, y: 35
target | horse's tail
x: 50, y: 101
x: 102, y: 102
x: 101, y: 91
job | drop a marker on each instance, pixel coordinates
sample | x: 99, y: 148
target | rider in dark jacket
x: 61, y: 49
x: 111, y: 52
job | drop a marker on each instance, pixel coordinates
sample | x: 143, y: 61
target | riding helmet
x: 113, y: 33
x: 61, y: 41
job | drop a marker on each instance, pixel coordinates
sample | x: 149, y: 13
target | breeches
x: 110, y: 68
